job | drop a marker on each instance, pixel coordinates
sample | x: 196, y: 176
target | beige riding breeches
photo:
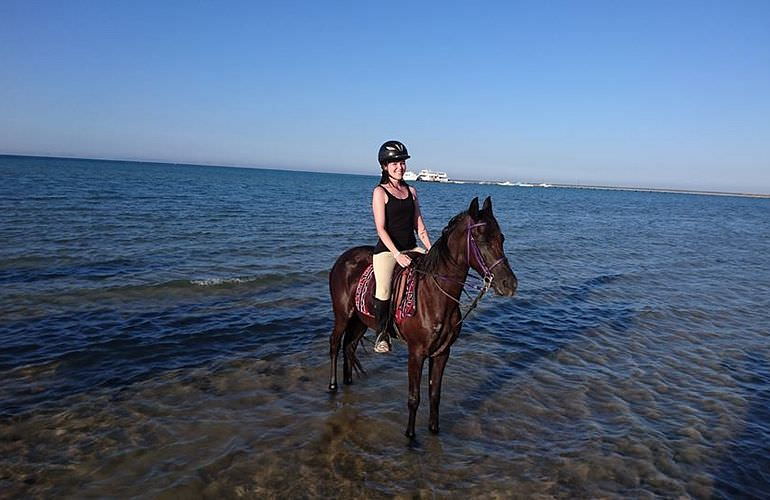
x: 384, y: 262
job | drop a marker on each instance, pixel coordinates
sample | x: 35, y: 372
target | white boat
x: 410, y: 176
x: 432, y: 176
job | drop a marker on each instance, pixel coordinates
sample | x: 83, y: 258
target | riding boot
x: 381, y: 313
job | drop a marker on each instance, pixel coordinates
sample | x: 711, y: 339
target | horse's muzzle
x: 505, y: 286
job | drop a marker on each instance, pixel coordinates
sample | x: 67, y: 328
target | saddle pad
x: 407, y: 305
x: 404, y: 286
x: 365, y: 292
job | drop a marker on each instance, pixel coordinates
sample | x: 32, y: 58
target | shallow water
x: 165, y: 333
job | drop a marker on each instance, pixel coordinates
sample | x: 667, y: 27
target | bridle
x: 472, y: 252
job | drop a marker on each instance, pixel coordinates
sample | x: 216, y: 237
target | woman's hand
x: 403, y: 260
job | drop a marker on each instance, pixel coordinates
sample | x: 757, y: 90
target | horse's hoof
x: 333, y: 387
x: 348, y: 381
x: 433, y: 429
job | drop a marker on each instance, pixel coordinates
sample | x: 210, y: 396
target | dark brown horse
x: 472, y: 239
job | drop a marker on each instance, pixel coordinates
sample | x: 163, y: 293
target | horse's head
x: 485, y: 248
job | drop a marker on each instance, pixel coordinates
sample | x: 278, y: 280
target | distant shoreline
x: 468, y: 181
x: 667, y: 190
x: 618, y: 188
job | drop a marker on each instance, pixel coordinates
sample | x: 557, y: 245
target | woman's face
x: 396, y: 169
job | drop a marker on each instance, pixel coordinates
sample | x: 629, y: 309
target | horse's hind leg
x: 353, y: 333
x: 334, y: 348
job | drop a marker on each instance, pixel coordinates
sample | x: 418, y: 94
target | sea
x: 164, y: 333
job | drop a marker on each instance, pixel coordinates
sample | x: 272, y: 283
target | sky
x: 666, y: 94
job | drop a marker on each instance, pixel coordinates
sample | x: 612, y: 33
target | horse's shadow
x: 539, y: 326
x: 743, y: 472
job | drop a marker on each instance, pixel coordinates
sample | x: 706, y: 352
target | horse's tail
x: 354, y: 362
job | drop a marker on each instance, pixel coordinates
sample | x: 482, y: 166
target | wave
x: 29, y: 305
x: 263, y: 279
x: 221, y: 281
x: 247, y: 283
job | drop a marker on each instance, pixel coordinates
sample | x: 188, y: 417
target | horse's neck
x: 455, y: 268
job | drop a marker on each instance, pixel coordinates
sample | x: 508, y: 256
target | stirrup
x: 382, y: 346
x: 382, y: 342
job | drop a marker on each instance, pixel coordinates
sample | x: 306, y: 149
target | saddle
x: 403, y: 291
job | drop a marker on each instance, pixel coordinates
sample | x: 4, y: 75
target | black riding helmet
x: 392, y: 151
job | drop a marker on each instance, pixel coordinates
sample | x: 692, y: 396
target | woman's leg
x: 384, y: 262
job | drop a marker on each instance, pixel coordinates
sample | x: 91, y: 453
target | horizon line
x: 477, y: 181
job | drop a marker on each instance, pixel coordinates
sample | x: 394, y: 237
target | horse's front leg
x: 416, y: 360
x: 435, y: 375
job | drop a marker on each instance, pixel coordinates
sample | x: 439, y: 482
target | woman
x: 396, y: 217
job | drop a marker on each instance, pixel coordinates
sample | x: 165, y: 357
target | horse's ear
x: 487, y: 207
x: 473, y: 209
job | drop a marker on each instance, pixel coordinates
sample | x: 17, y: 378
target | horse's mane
x: 440, y: 249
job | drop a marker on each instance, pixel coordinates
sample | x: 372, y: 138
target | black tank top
x: 399, y: 223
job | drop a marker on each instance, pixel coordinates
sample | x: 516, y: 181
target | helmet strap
x: 390, y: 179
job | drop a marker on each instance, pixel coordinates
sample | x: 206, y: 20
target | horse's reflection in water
x: 472, y: 239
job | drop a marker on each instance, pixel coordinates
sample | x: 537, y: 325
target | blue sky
x: 654, y: 93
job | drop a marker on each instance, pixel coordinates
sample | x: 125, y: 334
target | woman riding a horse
x: 396, y: 217
x: 471, y: 240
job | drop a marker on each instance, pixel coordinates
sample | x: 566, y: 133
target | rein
x: 473, y: 251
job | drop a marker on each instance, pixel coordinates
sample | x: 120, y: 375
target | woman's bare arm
x: 419, y: 224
